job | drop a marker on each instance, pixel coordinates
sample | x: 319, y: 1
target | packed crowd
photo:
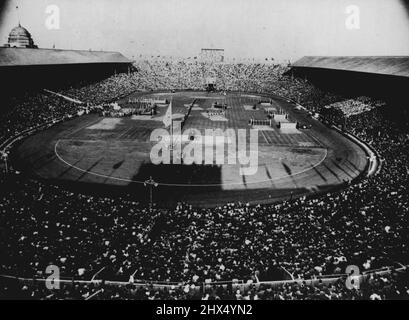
x: 356, y: 106
x: 117, y: 239
x: 30, y: 110
x: 184, y: 74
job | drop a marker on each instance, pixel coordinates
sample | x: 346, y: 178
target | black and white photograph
x: 204, y: 150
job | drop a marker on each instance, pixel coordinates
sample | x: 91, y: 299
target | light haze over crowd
x: 282, y: 29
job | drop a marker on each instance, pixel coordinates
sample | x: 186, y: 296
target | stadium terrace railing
x: 10, y: 141
x: 374, y: 165
x: 202, y: 287
x: 64, y: 97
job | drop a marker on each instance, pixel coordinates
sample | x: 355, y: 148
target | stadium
x: 322, y: 215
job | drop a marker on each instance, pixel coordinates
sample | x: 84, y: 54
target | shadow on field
x: 190, y: 177
x: 183, y: 180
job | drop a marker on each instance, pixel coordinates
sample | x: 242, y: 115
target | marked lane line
x: 184, y: 185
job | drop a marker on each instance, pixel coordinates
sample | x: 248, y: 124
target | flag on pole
x: 167, y: 119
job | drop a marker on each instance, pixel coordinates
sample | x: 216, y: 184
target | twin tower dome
x: 19, y: 37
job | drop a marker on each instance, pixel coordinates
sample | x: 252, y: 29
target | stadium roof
x: 11, y: 57
x: 394, y: 65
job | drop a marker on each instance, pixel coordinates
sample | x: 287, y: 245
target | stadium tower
x: 19, y: 37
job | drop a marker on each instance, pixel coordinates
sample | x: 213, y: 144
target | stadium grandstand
x: 327, y: 219
x: 168, y: 258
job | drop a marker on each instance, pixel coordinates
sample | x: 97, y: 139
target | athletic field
x: 106, y: 155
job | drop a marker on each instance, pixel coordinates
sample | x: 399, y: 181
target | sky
x: 285, y: 30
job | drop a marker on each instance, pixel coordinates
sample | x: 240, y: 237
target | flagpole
x: 171, y: 129
x: 18, y: 14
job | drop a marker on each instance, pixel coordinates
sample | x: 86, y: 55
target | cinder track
x: 107, y: 156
